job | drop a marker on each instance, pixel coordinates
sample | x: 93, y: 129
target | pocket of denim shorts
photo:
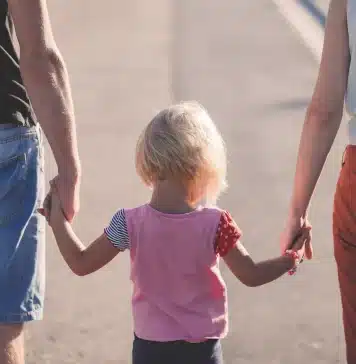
x: 18, y: 174
x: 12, y: 171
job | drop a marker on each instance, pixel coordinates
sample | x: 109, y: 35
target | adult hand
x: 68, y: 189
x: 52, y: 209
x: 294, y: 228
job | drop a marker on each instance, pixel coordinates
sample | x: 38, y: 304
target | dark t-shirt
x: 15, y: 106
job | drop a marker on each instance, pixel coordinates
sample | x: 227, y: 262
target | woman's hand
x: 302, y: 242
x: 290, y: 238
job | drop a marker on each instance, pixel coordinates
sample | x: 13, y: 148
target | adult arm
x: 323, y: 116
x: 46, y: 80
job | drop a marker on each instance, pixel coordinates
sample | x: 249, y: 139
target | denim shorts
x: 22, y: 253
x: 176, y: 352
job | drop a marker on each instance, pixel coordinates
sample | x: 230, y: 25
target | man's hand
x: 52, y: 209
x: 68, y: 189
x: 294, y: 228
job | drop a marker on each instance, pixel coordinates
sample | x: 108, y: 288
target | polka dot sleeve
x: 227, y: 234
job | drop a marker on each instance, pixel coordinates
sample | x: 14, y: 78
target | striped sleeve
x: 117, y: 232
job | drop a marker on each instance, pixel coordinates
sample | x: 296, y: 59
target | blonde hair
x: 182, y: 143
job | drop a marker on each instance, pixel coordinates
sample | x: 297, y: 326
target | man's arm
x: 46, y: 80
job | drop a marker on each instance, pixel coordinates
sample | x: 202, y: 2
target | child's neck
x: 168, y: 197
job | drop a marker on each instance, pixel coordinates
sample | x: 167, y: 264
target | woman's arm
x: 324, y: 113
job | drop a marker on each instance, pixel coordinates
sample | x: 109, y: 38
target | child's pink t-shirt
x: 178, y: 290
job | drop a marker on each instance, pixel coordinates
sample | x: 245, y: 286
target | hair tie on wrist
x: 294, y: 255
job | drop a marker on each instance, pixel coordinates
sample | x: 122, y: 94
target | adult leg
x: 12, y: 344
x: 347, y: 283
x: 22, y: 238
x: 344, y: 232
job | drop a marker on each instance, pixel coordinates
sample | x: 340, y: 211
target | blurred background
x: 321, y: 5
x: 251, y: 69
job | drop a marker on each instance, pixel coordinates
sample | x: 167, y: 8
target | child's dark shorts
x: 176, y: 352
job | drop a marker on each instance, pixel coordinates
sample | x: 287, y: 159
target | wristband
x: 294, y: 255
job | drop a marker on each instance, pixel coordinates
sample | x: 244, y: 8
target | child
x: 179, y: 297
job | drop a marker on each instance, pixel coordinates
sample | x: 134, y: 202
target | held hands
x: 67, y: 187
x: 297, y: 248
x: 297, y: 230
x: 52, y: 209
x: 300, y: 241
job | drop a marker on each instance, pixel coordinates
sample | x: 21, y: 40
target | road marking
x: 315, y: 10
x: 303, y: 21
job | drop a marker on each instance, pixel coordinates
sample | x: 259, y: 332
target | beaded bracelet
x: 294, y: 255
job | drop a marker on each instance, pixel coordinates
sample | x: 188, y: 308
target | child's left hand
x: 303, y: 237
x: 52, y: 209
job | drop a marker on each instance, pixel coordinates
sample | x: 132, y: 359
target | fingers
x: 299, y: 240
x: 308, y: 242
x: 47, y: 202
x: 51, y: 201
x: 308, y: 249
x: 287, y: 242
x: 303, y: 235
x: 67, y: 195
x: 306, y: 228
x: 47, y: 206
x: 46, y: 209
x: 53, y: 185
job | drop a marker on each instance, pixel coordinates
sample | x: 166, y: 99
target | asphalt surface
x: 323, y: 5
x: 127, y: 59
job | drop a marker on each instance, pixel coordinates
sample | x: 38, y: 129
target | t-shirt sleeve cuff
x: 117, y: 232
x: 228, y: 234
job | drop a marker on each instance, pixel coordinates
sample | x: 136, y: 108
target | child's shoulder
x: 124, y: 213
x: 225, y: 219
x: 227, y: 232
x: 217, y: 211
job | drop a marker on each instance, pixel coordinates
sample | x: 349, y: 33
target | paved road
x: 242, y: 61
x: 321, y: 4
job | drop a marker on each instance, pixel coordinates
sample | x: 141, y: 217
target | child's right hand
x: 52, y: 209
